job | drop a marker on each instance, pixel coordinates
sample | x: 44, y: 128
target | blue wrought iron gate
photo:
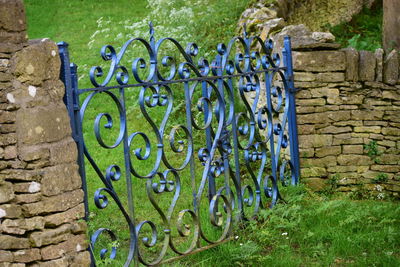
x: 200, y: 145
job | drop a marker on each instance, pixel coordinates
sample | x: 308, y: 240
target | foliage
x: 372, y: 150
x: 363, y: 32
x: 381, y: 178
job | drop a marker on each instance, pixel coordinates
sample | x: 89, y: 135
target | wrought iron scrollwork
x: 232, y: 141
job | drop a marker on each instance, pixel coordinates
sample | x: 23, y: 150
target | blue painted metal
x: 245, y: 141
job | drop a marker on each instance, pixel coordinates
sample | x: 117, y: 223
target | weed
x: 331, y: 185
x: 381, y: 178
x: 372, y: 150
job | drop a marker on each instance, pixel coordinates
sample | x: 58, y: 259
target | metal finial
x: 151, y: 30
x: 245, y: 29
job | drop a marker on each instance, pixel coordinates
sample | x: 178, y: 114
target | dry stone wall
x: 348, y: 107
x: 41, y: 201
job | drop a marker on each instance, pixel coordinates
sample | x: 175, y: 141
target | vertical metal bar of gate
x: 71, y: 98
x: 294, y: 143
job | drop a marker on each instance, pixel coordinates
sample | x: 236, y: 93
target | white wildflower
x: 378, y: 188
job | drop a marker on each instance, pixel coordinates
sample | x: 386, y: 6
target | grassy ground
x: 312, y: 230
x: 306, y: 231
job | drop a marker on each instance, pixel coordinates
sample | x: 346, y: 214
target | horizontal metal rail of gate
x: 200, y: 145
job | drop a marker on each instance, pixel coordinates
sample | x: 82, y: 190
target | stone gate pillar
x: 41, y: 201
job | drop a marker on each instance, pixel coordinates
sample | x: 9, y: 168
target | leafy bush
x: 363, y: 32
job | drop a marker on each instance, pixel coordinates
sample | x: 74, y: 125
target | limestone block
x: 371, y: 103
x: 390, y: 94
x: 10, y: 211
x: 46, y: 124
x: 71, y: 246
x: 353, y: 99
x: 311, y: 102
x: 271, y: 25
x: 20, y: 226
x: 20, y: 175
x: 10, y: 152
x: 12, y: 242
x: 28, y: 198
x: 7, y: 117
x: 302, y: 93
x: 348, y: 123
x: 6, y: 191
x: 334, y: 130
x: 327, y: 92
x: 348, y: 107
x: 387, y: 143
x: 371, y: 115
x: 60, y: 178
x: 62, y: 262
x: 354, y: 160
x: 391, y: 69
x: 306, y: 152
x: 8, y: 139
x: 330, y: 77
x: 320, y: 109
x: 376, y: 136
x: 305, y: 109
x: 316, y: 184
x: 379, y: 64
x: 313, y: 172
x: 12, y: 15
x: 353, y: 149
x: 386, y: 168
x: 345, y: 188
x: 389, y: 159
x: 374, y: 175
x: 328, y: 151
x: 368, y: 129
x: 27, y: 255
x: 319, y: 61
x: 7, y: 128
x: 351, y: 64
x: 314, y: 140
x: 362, y: 135
x: 34, y: 153
x: 57, y: 203
x: 6, y: 256
x: 375, y: 123
x: 10, y: 47
x: 337, y: 169
x: 37, y: 62
x: 29, y: 187
x: 303, y: 38
x: 82, y: 259
x: 329, y: 116
x: 366, y: 66
x: 65, y: 217
x: 306, y: 129
x: 347, y: 181
x: 391, y: 131
x: 50, y: 236
x: 318, y: 162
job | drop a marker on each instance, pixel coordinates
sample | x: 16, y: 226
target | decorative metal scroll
x: 222, y: 144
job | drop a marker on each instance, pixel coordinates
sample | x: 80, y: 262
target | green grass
x: 363, y: 32
x: 311, y: 230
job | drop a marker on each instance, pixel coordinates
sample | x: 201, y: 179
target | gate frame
x: 69, y: 76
